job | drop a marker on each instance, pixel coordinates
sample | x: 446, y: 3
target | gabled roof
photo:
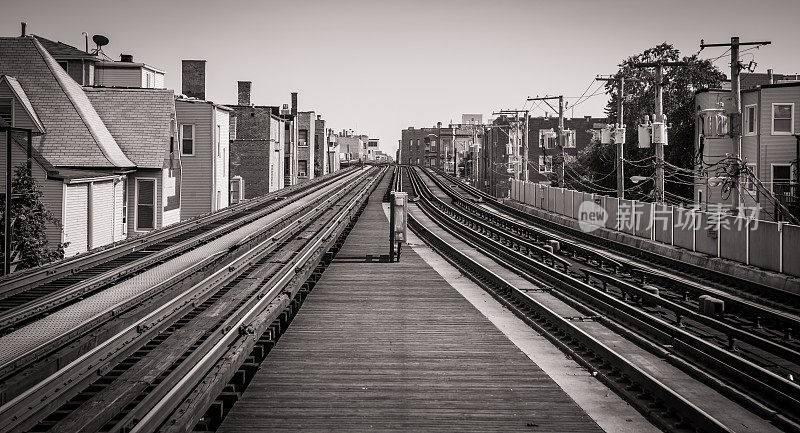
x: 61, y: 50
x: 16, y: 88
x: 139, y: 119
x: 76, y: 136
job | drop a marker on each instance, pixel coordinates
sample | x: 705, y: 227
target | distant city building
x: 306, y: 139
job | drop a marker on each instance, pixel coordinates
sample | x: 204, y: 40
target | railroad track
x: 169, y: 368
x: 664, y: 326
x: 756, y: 329
x: 660, y: 268
x: 26, y: 295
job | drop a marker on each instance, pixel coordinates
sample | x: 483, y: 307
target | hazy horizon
x: 379, y: 67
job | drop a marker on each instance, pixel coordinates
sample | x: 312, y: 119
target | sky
x: 381, y: 66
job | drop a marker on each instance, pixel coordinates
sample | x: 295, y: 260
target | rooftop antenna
x: 101, y: 41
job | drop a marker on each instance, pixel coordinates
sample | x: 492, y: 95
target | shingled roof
x: 76, y: 136
x: 63, y: 51
x: 139, y: 119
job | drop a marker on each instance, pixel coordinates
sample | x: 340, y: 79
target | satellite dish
x: 100, y: 40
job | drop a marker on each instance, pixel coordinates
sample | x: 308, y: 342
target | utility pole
x: 525, y: 148
x: 659, y: 117
x: 736, y: 115
x: 439, y: 145
x: 620, y: 146
x: 561, y: 160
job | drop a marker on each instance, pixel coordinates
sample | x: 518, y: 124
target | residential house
x: 352, y: 147
x: 142, y: 121
x: 204, y: 141
x: 76, y: 160
x: 321, y: 164
x: 769, y: 147
x: 306, y: 139
x: 127, y: 73
x: 256, y: 144
x: 333, y: 152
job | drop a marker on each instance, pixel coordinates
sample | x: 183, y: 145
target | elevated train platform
x: 394, y: 346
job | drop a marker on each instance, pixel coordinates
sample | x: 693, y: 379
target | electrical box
x: 605, y: 135
x: 400, y: 211
x: 644, y: 136
x: 569, y: 138
x: 619, y: 136
x: 659, y: 133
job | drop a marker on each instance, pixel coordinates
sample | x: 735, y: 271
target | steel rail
x: 771, y: 387
x: 43, y: 393
x: 17, y: 282
x: 648, y: 383
x: 759, y: 313
x: 159, y: 412
x: 745, y: 285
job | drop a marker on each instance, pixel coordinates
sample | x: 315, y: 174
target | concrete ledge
x: 725, y: 266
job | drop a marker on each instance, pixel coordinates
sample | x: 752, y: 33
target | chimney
x: 244, y: 92
x: 294, y: 103
x: 769, y: 76
x: 128, y: 58
x: 23, y: 28
x: 319, y: 117
x: 194, y: 78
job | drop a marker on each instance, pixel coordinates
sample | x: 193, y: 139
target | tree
x: 29, y: 246
x: 596, y: 162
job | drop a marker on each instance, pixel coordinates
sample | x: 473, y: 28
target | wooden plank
x: 384, y: 346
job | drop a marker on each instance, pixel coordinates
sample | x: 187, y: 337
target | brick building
x: 320, y: 147
x: 306, y: 144
x: 256, y: 145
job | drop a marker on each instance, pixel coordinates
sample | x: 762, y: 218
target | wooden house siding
x: 120, y: 223
x: 221, y: 158
x: 76, y: 220
x: 120, y: 77
x: 21, y: 117
x: 102, y: 213
x: 52, y: 190
x: 197, y: 170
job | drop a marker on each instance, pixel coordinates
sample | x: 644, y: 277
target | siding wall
x: 222, y: 172
x: 76, y: 219
x: 197, y: 170
x: 52, y: 190
x: 121, y: 77
x: 21, y: 117
x: 102, y: 213
x: 776, y: 149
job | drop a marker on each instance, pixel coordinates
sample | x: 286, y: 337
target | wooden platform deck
x: 391, y: 346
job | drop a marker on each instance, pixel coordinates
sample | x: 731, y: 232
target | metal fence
x: 765, y: 244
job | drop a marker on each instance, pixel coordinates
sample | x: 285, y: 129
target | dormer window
x: 7, y: 110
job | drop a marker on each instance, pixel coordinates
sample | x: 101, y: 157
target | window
x: 545, y: 163
x: 302, y: 137
x: 7, y: 111
x: 219, y: 141
x: 302, y: 167
x: 187, y: 140
x: 782, y: 119
x: 750, y: 120
x: 145, y: 204
x: 781, y: 177
x: 749, y: 177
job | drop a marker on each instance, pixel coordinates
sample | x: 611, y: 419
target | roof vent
x: 128, y: 58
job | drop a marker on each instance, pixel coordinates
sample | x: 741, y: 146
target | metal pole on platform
x: 391, y: 227
x: 7, y: 215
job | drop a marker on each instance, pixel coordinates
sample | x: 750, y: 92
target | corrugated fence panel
x: 569, y: 196
x: 706, y: 237
x: 662, y: 223
x: 791, y: 249
x: 733, y: 238
x: 530, y: 197
x: 683, y: 225
x: 610, y: 204
x: 644, y: 220
x: 551, y: 199
x: 764, y: 241
x: 577, y: 199
x: 625, y: 218
x: 559, y: 201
